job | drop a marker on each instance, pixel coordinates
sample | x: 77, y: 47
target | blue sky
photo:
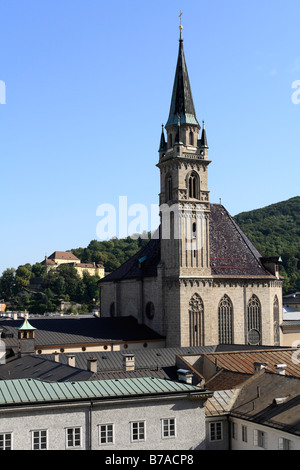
x: 88, y: 85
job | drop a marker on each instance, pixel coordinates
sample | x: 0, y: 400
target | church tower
x: 201, y: 282
x: 184, y: 195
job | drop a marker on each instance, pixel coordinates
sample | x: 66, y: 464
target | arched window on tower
x: 191, y: 138
x: 193, y: 186
x: 196, y: 321
x: 170, y: 140
x: 276, y: 321
x: 254, y: 321
x: 169, y: 188
x: 225, y: 313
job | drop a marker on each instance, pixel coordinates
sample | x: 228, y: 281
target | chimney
x: 259, y: 366
x: 92, y: 364
x: 280, y: 369
x: 71, y: 360
x: 128, y: 362
x: 185, y: 376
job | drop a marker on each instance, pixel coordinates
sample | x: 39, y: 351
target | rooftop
x: 272, y: 400
x: 28, y: 391
x: 55, y: 331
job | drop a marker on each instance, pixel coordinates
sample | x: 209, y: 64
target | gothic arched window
x: 276, y: 321
x: 191, y: 138
x: 254, y: 321
x: 196, y: 321
x: 193, y: 186
x: 225, y: 312
x: 169, y: 188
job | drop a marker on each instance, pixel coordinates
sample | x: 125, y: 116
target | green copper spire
x: 182, y: 104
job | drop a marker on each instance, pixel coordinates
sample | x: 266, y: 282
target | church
x: 199, y: 281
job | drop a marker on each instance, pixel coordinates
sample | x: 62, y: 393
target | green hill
x: 275, y: 230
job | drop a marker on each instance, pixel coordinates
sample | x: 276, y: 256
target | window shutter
x: 280, y: 443
x: 255, y: 437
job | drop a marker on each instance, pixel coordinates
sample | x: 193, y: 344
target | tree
x: 23, y: 275
x: 8, y: 284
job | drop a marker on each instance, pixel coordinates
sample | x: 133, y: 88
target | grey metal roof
x: 220, y: 403
x: 38, y: 367
x: 277, y: 405
x: 32, y: 391
x: 146, y: 358
x: 80, y: 330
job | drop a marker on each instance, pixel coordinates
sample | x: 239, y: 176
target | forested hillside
x: 275, y: 230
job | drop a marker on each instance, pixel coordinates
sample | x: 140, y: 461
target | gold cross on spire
x: 180, y: 15
x: 180, y: 26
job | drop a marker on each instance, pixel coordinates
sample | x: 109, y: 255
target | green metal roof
x: 26, y: 326
x: 27, y: 391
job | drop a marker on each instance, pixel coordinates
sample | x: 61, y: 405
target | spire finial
x: 180, y: 26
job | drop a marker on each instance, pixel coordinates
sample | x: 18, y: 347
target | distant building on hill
x: 59, y: 258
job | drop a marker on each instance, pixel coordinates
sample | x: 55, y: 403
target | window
x: 284, y: 444
x: 106, y: 434
x: 196, y: 319
x: 225, y: 321
x: 137, y: 431
x: 233, y: 430
x: 168, y: 427
x: 193, y: 186
x: 260, y: 439
x: 244, y: 433
x: 216, y: 431
x: 112, y: 309
x: 39, y: 440
x: 169, y: 188
x: 150, y: 310
x: 254, y: 321
x: 6, y: 441
x: 276, y: 321
x: 73, y: 436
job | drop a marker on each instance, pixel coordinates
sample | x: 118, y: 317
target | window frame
x: 260, y: 438
x: 138, y: 423
x: 220, y: 432
x: 106, y: 425
x: 244, y: 433
x: 168, y: 430
x: 285, y: 444
x: 39, y: 431
x: 4, y: 435
x: 73, y: 429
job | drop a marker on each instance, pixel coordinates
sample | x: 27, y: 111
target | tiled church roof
x: 231, y: 252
